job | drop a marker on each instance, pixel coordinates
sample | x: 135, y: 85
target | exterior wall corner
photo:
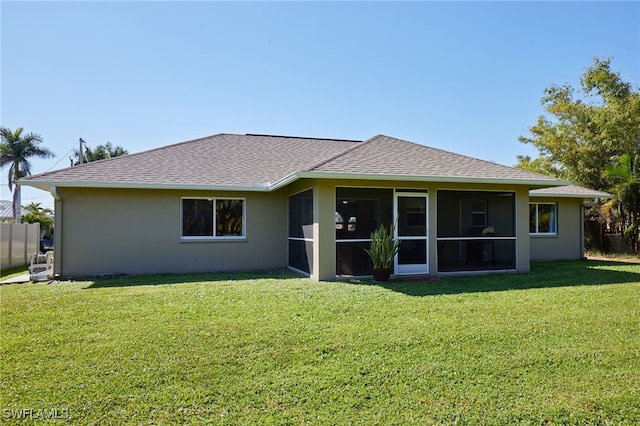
x: 522, y: 231
x: 324, y: 257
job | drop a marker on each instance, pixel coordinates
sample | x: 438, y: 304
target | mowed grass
x: 560, y: 345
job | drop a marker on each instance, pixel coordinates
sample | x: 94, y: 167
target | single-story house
x: 240, y: 202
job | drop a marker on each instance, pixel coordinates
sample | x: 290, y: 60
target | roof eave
x: 561, y: 195
x: 47, y: 185
x: 533, y: 183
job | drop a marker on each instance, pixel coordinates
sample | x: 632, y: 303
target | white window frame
x: 555, y: 220
x: 479, y: 213
x: 214, y: 237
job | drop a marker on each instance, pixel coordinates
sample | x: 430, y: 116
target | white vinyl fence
x: 18, y: 241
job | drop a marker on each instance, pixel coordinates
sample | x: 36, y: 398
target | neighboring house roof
x: 265, y: 162
x: 6, y: 209
x: 568, y: 191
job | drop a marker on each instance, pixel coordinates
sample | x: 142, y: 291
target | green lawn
x: 560, y: 345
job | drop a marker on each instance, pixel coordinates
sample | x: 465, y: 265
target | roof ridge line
x: 302, y: 137
x: 346, y: 151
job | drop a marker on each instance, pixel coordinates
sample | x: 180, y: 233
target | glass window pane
x: 553, y: 221
x: 197, y: 218
x: 229, y: 217
x: 478, y: 206
x: 533, y: 218
x: 543, y: 218
x: 412, y: 218
x: 546, y: 218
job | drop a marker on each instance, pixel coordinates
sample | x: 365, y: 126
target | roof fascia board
x: 268, y: 187
x: 540, y: 183
x: 46, y: 185
x: 560, y: 195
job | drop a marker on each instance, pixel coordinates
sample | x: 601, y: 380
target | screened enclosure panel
x: 412, y: 252
x: 351, y: 259
x: 301, y: 215
x: 301, y: 255
x: 476, y: 214
x: 359, y: 211
x: 301, y: 231
x: 476, y: 255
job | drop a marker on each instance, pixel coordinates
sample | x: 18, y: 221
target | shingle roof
x: 219, y: 160
x: 259, y: 161
x: 386, y: 155
x: 568, y: 191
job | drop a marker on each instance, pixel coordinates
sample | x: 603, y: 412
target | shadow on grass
x: 542, y: 275
x: 164, y: 279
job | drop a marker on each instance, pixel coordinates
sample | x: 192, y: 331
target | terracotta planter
x: 381, y: 274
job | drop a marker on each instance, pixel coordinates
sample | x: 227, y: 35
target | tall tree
x: 100, y: 152
x: 34, y: 213
x: 591, y: 137
x: 15, y: 151
x: 589, y: 129
x: 626, y: 175
x: 34, y: 207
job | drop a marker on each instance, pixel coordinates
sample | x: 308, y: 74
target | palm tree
x: 113, y: 151
x: 36, y: 208
x: 15, y: 151
x: 100, y: 153
x: 34, y: 213
x: 626, y: 175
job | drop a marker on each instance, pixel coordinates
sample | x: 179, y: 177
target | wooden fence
x: 18, y: 241
x: 615, y: 243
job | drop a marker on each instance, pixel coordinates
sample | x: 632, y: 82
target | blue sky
x: 461, y: 76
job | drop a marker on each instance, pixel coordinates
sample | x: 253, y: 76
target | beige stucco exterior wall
x: 58, y: 208
x: 522, y: 231
x: 568, y: 243
x: 324, y: 230
x: 109, y: 231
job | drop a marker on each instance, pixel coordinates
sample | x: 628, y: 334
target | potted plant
x: 382, y: 251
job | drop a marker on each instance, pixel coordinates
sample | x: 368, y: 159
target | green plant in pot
x: 382, y: 251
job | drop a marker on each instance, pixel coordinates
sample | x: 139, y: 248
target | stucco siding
x: 109, y: 231
x: 523, y: 249
x: 567, y: 244
x: 126, y: 231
